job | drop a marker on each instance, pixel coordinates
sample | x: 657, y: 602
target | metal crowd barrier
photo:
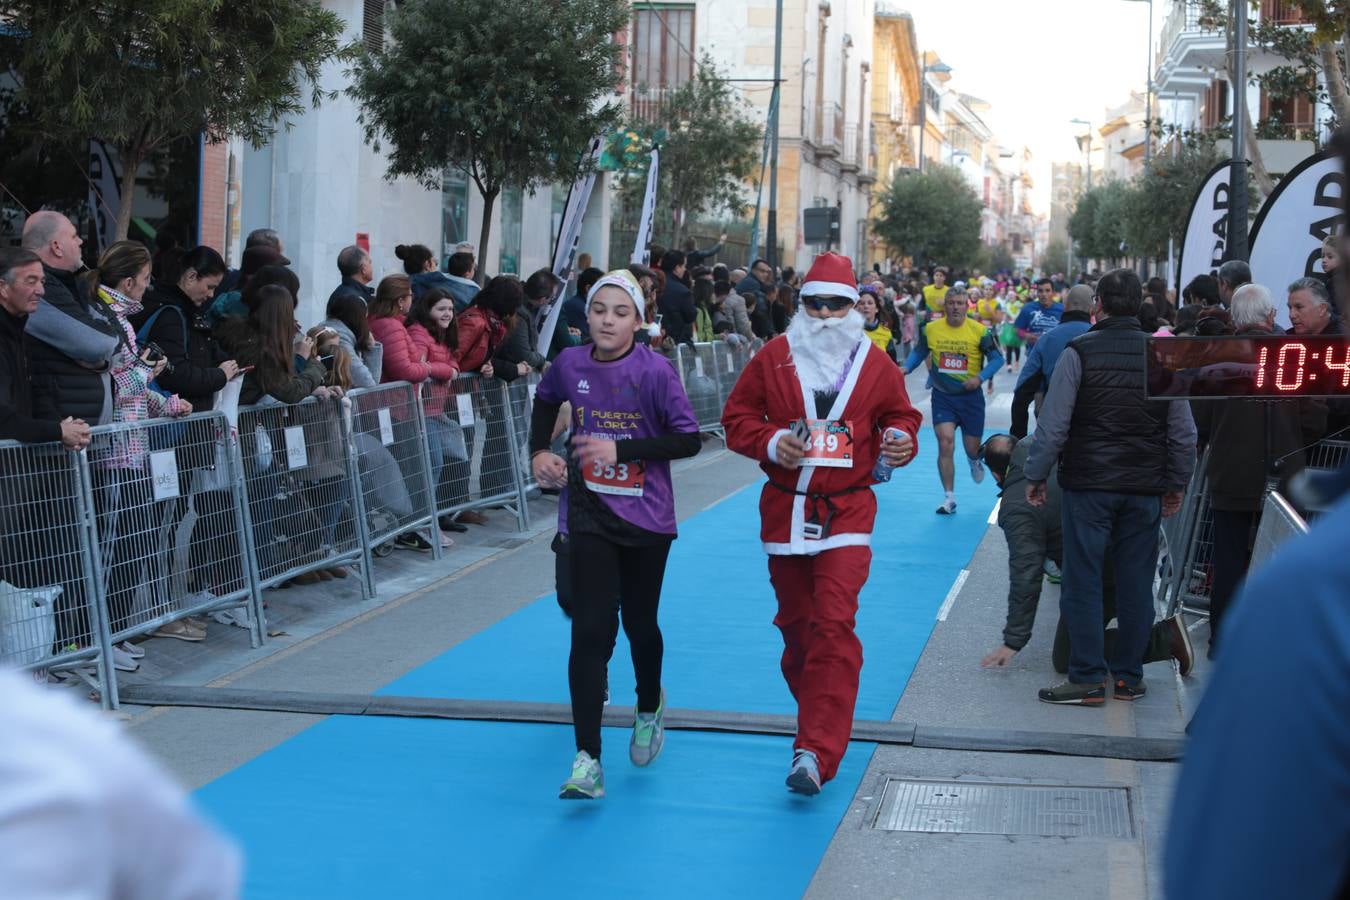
x: 299, y: 465
x: 166, y: 519
x: 50, y: 617
x: 389, y: 442
x: 1279, y: 522
x: 474, y: 421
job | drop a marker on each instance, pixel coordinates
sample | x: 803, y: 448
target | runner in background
x: 825, y: 413
x: 630, y: 417
x: 933, y: 295
x: 961, y: 356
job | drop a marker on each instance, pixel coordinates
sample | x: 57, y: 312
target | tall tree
x: 140, y: 74
x: 1159, y: 199
x: 932, y: 216
x: 709, y: 150
x: 511, y: 93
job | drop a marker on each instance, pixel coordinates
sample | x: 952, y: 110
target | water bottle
x: 882, y: 470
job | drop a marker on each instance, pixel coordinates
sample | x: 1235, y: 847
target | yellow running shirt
x: 956, y: 353
x: 934, y: 295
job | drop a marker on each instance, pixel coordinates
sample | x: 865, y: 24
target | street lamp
x: 940, y: 68
x: 1148, y: 86
x: 1087, y: 148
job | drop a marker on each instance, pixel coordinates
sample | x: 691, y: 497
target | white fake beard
x: 822, y: 348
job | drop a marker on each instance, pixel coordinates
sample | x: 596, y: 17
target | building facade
x: 895, y: 102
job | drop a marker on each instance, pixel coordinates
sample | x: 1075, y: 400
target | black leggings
x: 607, y: 578
x: 1012, y: 352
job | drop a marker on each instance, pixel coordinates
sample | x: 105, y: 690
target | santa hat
x: 831, y: 275
x: 624, y: 281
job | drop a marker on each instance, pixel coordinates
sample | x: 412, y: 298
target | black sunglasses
x: 833, y: 304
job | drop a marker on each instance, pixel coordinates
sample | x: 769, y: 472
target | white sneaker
x: 123, y: 661
x: 976, y: 470
x: 132, y: 650
x: 947, y: 508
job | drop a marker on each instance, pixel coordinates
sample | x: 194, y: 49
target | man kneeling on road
x: 1035, y: 534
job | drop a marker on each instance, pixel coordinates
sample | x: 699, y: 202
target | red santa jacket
x: 768, y: 397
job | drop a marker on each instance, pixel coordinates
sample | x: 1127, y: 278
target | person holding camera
x: 174, y: 319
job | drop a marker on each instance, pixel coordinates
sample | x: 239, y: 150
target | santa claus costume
x: 829, y: 386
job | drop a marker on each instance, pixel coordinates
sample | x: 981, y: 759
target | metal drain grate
x: 959, y: 807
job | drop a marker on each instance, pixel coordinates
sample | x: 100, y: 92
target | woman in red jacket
x: 402, y: 361
x: 435, y: 338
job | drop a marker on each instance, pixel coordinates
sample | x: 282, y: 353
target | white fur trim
x: 829, y: 289
x: 811, y: 548
x: 797, y: 527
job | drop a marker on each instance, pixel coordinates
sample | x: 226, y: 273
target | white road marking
x: 951, y: 595
x: 993, y: 515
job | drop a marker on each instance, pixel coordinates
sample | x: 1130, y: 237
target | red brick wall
x: 212, y: 209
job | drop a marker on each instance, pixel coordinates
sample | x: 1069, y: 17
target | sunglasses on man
x: 833, y: 304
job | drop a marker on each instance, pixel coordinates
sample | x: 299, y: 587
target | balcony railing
x: 1281, y: 12
x: 648, y: 102
x: 829, y: 133
x: 1185, y: 16
x: 850, y: 155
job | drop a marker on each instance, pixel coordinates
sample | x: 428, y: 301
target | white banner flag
x: 1286, y: 240
x: 1206, y: 233
x: 569, y: 233
x: 648, y: 212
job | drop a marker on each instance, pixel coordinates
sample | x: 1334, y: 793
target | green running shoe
x: 587, y: 781
x: 649, y: 734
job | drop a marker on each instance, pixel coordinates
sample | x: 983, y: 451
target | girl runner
x: 630, y: 418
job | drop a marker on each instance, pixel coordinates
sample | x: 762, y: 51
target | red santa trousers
x: 817, y: 607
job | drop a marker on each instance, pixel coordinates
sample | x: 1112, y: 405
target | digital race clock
x: 1257, y: 365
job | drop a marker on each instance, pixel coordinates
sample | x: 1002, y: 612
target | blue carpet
x: 404, y: 808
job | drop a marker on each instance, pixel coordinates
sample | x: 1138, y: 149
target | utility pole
x: 1236, y: 247
x: 774, y: 104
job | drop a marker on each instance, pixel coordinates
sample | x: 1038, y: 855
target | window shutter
x: 372, y: 26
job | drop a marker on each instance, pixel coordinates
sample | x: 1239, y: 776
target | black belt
x: 814, y: 527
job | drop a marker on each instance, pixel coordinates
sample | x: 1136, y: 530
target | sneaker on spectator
x: 587, y: 781
x: 196, y: 623
x: 472, y: 517
x: 179, y: 631
x: 450, y: 523
x: 338, y: 571
x: 1070, y: 694
x: 804, y: 776
x: 1179, y: 642
x: 1126, y: 691
x: 324, y: 574
x: 412, y: 541
x: 123, y: 661
x: 132, y: 650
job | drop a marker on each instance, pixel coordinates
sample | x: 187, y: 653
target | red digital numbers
x: 1300, y: 367
x: 1261, y: 366
x: 1343, y: 366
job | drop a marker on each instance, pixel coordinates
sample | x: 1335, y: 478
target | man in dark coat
x: 71, y: 339
x: 676, y: 302
x: 21, y: 278
x: 357, y: 271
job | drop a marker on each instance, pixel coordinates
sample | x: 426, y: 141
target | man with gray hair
x: 1233, y: 275
x: 70, y: 338
x: 1247, y: 438
x: 258, y: 237
x: 1251, y: 308
x: 357, y: 271
x: 1034, y: 378
x: 1310, y: 308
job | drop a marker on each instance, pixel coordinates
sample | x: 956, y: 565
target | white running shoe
x: 804, y: 777
x: 132, y: 650
x: 947, y: 508
x: 976, y: 470
x: 587, y: 781
x: 124, y: 661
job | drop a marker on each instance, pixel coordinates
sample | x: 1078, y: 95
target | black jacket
x: 1118, y: 437
x: 71, y: 340
x: 182, y: 333
x: 362, y: 292
x: 518, y: 346
x: 16, y: 398
x: 677, y: 311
